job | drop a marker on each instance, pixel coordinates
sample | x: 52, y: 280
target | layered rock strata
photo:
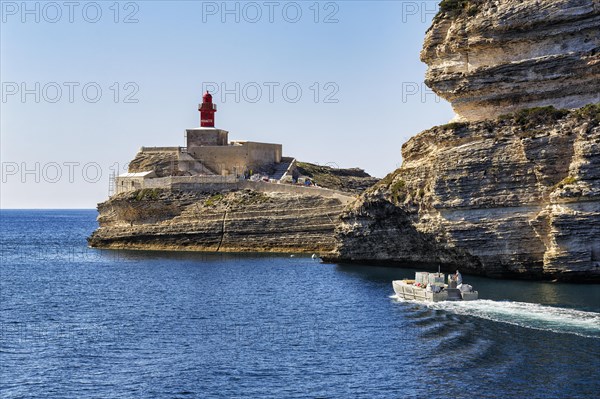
x: 518, y: 197
x: 489, y: 58
x: 238, y: 221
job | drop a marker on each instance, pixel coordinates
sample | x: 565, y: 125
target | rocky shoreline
x: 509, y: 190
x: 518, y: 197
x: 236, y: 221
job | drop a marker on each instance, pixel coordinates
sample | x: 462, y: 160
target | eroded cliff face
x: 489, y: 58
x: 502, y: 196
x: 517, y: 197
x: 155, y: 219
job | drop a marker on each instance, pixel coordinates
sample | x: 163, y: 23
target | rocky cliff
x: 490, y: 58
x: 269, y: 218
x: 515, y: 197
x: 511, y: 190
x: 236, y: 221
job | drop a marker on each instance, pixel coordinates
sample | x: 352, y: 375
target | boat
x: 431, y: 287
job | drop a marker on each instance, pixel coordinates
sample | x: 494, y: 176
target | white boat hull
x: 411, y: 292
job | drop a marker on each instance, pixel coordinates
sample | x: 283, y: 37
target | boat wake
x: 523, y: 314
x: 528, y: 315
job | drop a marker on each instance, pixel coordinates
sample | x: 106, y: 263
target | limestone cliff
x: 234, y: 221
x: 494, y: 57
x: 266, y: 217
x: 511, y: 191
x: 515, y: 197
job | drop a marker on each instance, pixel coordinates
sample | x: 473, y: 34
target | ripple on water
x: 163, y: 325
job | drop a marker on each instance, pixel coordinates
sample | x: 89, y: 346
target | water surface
x: 79, y: 322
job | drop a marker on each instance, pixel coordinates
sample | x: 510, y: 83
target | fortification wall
x: 159, y: 149
x: 229, y: 159
x: 172, y: 181
x: 236, y: 159
x: 261, y: 153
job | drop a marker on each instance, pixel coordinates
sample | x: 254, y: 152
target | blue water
x: 84, y: 323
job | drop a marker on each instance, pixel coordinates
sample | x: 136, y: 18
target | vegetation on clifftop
x: 236, y: 199
x: 213, y: 200
x: 454, y: 125
x: 350, y: 180
x: 591, y: 112
x: 456, y: 8
x: 531, y: 117
x: 392, y: 185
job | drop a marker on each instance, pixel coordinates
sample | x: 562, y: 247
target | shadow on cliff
x: 377, y: 232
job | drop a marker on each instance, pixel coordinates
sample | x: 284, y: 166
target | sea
x: 78, y: 322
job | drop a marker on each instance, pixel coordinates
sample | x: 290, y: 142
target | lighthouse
x: 209, y: 151
x: 207, y: 111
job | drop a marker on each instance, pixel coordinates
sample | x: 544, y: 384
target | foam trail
x: 529, y: 315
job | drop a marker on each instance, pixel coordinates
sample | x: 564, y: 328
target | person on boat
x: 458, y: 278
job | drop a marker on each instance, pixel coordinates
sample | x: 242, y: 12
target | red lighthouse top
x: 207, y: 111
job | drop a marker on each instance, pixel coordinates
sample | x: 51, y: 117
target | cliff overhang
x: 515, y: 197
x: 489, y: 58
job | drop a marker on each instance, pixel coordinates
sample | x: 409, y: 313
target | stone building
x: 211, y: 147
x: 208, y: 155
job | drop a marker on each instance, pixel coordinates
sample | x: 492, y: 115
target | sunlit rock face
x: 494, y: 57
x: 517, y: 197
x: 227, y: 221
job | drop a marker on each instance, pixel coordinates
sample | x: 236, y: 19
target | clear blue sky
x: 360, y: 57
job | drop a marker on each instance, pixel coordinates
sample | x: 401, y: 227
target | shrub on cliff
x: 148, y: 194
x: 214, y: 200
x: 394, y: 187
x: 565, y: 182
x: 455, y: 8
x: 531, y: 117
x: 590, y: 112
x: 455, y: 125
x: 398, y: 191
